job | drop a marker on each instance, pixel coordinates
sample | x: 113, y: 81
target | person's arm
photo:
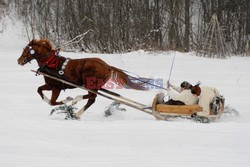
x: 173, y: 94
x: 177, y: 88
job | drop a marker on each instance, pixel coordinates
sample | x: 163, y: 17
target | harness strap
x: 61, y: 72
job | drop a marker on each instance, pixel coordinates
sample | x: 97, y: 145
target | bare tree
x: 187, y: 26
x: 126, y: 25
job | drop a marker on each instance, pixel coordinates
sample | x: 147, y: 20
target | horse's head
x: 36, y: 49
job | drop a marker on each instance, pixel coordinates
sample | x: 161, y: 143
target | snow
x: 29, y: 137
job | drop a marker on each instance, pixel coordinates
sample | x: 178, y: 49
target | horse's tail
x: 127, y: 81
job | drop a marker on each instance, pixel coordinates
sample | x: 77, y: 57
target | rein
x: 142, y: 80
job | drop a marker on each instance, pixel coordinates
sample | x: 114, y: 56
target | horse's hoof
x: 52, y: 112
x: 72, y: 117
x: 69, y: 98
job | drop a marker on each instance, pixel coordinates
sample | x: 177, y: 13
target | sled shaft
x: 108, y: 94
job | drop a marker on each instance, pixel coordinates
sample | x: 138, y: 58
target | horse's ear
x: 32, y: 42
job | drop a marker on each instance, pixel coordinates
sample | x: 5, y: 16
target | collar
x: 53, y: 61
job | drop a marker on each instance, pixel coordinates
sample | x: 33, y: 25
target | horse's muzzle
x: 22, y: 61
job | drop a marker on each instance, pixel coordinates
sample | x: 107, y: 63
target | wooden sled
x: 163, y: 112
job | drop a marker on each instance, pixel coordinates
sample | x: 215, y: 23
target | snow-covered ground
x: 29, y: 137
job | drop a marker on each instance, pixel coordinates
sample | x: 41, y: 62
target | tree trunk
x: 187, y: 26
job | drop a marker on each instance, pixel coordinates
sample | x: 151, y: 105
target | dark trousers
x: 174, y: 102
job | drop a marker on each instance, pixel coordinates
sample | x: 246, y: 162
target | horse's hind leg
x: 91, y: 100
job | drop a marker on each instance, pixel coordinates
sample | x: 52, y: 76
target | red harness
x: 53, y: 61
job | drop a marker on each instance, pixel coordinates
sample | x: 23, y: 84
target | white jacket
x: 185, y: 96
x: 177, y: 88
x: 205, y: 98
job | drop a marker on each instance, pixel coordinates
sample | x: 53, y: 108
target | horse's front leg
x: 40, y: 92
x: 54, y: 96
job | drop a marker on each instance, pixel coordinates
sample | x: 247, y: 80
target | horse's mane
x: 42, y: 42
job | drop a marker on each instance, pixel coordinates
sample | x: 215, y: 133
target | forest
x: 217, y: 27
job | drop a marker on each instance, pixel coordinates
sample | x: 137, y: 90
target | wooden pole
x: 109, y: 94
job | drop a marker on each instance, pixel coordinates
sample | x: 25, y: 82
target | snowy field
x: 29, y: 137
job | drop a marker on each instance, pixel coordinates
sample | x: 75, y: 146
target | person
x: 206, y: 95
x: 181, y: 95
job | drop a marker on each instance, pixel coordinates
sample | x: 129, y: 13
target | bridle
x: 33, y: 53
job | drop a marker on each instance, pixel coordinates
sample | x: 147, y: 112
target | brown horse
x: 92, y: 73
